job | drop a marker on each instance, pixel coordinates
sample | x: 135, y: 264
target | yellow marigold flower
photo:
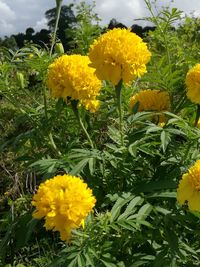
x: 64, y: 201
x: 119, y: 55
x: 70, y: 76
x: 193, y: 84
x: 151, y: 100
x: 189, y: 188
x: 91, y: 105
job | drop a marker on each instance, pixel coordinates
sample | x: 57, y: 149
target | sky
x: 17, y: 15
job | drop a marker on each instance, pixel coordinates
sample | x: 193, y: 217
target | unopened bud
x: 30, y: 56
x: 20, y: 80
x: 59, y: 48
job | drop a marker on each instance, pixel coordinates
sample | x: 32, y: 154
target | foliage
x: 133, y: 170
x: 86, y: 28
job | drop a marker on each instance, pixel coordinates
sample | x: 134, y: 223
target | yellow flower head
x: 193, y: 84
x: 119, y: 55
x: 189, y: 188
x: 151, y: 100
x: 64, y: 202
x: 71, y: 77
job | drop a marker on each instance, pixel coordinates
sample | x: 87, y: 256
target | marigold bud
x: 59, y: 48
x: 20, y: 80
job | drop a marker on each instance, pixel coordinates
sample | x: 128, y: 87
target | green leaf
x: 135, y: 107
x: 73, y: 263
x: 72, y: 255
x: 30, y: 228
x: 162, y: 210
x: 108, y: 264
x: 155, y: 185
x: 160, y: 259
x: 45, y: 166
x: 163, y: 194
x: 176, y: 132
x: 89, y: 259
x: 139, y: 116
x: 133, y: 148
x: 171, y: 237
x: 79, y: 167
x: 144, y: 211
x: 80, y: 260
x: 139, y: 263
x: 165, y: 139
x: 117, y: 207
x: 128, y: 225
x: 153, y: 129
x: 91, y: 165
x: 24, y: 228
x: 114, y: 134
x: 130, y: 208
x: 137, y: 145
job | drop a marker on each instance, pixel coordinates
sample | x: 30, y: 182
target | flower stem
x: 76, y: 113
x: 118, y: 89
x: 58, y: 9
x: 197, y: 115
x: 50, y: 137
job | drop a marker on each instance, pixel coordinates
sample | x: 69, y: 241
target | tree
x: 19, y: 38
x: 137, y: 29
x: 8, y: 42
x: 115, y: 24
x: 42, y: 38
x: 29, y: 33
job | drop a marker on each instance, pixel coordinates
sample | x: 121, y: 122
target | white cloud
x: 40, y: 24
x: 196, y: 13
x: 123, y: 11
x: 17, y: 15
x: 7, y: 17
x: 6, y: 28
x: 126, y: 11
x: 187, y: 6
x: 6, y: 12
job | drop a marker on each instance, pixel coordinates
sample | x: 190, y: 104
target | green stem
x: 53, y: 143
x: 76, y: 113
x: 46, y: 117
x: 197, y: 115
x: 118, y: 89
x: 163, y: 31
x: 45, y: 102
x: 58, y: 9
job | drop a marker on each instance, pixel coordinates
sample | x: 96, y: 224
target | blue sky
x: 17, y: 15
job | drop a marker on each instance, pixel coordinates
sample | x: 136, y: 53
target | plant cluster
x: 119, y: 186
